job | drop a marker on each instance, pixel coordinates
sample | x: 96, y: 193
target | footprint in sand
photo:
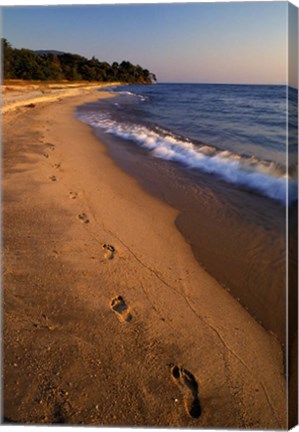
x: 83, y: 217
x: 109, y: 251
x: 53, y: 178
x: 73, y: 195
x: 189, y: 388
x: 44, y: 323
x: 57, y: 165
x: 45, y: 155
x: 119, y: 306
x: 50, y: 146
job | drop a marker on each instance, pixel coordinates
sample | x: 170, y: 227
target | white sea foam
x: 263, y: 177
x: 128, y: 93
x: 124, y: 92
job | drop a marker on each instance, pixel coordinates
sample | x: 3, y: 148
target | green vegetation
x: 30, y: 65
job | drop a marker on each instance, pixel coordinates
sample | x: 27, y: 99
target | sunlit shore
x: 108, y: 318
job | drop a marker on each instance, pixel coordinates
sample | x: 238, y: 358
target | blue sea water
x: 236, y: 133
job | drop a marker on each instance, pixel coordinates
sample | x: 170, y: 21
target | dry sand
x: 108, y: 318
x: 16, y: 94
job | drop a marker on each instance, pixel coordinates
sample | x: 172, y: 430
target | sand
x: 16, y: 94
x: 108, y: 318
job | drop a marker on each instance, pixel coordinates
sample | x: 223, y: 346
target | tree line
x: 47, y: 66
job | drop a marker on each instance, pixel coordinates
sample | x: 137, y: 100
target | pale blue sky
x: 195, y: 42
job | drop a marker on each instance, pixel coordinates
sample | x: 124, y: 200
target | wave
x: 124, y: 92
x: 128, y: 93
x: 264, y: 177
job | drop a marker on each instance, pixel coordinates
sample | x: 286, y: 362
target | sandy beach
x: 108, y: 319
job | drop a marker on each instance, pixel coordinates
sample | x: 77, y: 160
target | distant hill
x: 46, y: 52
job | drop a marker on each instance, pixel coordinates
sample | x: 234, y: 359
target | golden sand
x: 108, y: 318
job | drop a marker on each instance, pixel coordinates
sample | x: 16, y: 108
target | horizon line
x: 226, y: 83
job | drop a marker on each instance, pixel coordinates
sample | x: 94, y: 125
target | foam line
x: 263, y: 177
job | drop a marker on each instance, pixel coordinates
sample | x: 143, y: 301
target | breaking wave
x: 264, y: 177
x: 128, y: 93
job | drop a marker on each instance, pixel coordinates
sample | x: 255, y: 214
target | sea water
x: 237, y: 133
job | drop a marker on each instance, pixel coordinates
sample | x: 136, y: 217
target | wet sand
x: 237, y: 236
x: 108, y: 318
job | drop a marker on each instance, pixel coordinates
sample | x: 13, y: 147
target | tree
x: 6, y: 55
x: 30, y: 65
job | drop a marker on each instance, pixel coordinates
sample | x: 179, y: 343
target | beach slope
x: 107, y: 317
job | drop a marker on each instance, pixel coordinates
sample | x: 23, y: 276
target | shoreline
x: 64, y: 198
x: 236, y: 236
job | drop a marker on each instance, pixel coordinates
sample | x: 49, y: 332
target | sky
x: 194, y: 42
